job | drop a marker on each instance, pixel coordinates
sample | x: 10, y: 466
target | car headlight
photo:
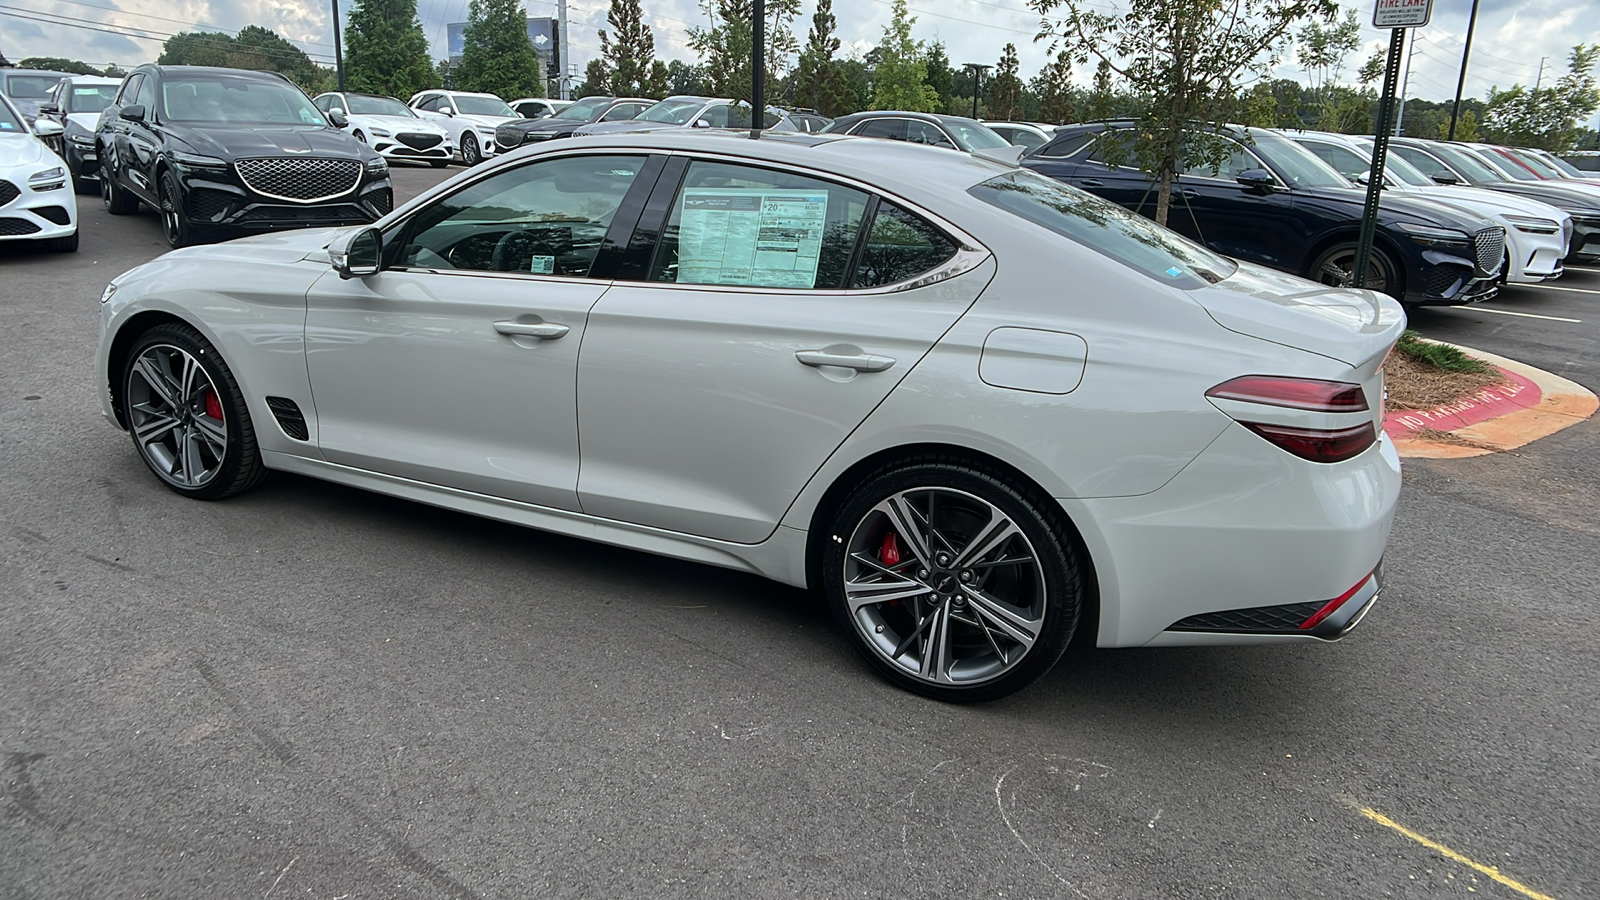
x: 105, y: 295
x: 79, y: 136
x: 488, y: 131
x: 1533, y: 224
x: 377, y: 166
x: 197, y: 161
x: 1429, y: 235
x: 48, y: 180
x: 380, y: 132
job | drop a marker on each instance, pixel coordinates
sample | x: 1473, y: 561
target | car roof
x: 20, y: 71
x: 92, y: 79
x: 213, y: 70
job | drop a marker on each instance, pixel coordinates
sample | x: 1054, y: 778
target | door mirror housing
x: 49, y: 109
x: 701, y: 123
x: 448, y: 110
x: 337, y: 118
x: 1445, y: 178
x: 356, y: 253
x: 1256, y: 180
x: 46, y: 128
x: 133, y: 113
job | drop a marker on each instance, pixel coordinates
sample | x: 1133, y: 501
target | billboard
x: 541, y: 33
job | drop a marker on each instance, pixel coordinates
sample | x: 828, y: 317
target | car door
x: 114, y: 128
x: 1211, y: 206
x: 143, y: 143
x: 456, y: 364
x: 1109, y: 171
x: 711, y: 390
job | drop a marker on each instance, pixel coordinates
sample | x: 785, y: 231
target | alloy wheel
x: 170, y: 226
x: 1338, y: 270
x: 176, y: 416
x: 944, y: 586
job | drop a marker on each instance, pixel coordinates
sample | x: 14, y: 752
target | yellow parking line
x: 1447, y: 853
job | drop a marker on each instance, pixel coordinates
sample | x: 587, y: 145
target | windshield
x: 1537, y: 163
x: 483, y: 106
x: 90, y: 98
x: 1468, y: 164
x: 586, y: 110
x: 30, y: 87
x: 1294, y: 162
x: 236, y: 101
x: 1106, y: 228
x: 974, y: 136
x: 378, y: 106
x: 1565, y: 168
x: 1506, y: 164
x: 675, y: 112
x: 9, y: 123
x: 1396, y: 166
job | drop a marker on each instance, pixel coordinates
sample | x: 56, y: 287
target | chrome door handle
x: 548, y: 331
x: 861, y: 363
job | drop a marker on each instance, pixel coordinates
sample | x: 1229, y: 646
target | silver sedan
x: 979, y: 409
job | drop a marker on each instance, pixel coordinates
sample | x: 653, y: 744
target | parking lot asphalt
x: 310, y: 691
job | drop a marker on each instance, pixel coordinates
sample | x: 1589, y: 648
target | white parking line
x: 1507, y: 312
x: 1552, y: 287
x: 1580, y: 269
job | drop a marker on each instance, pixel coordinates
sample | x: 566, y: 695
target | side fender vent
x: 289, y: 416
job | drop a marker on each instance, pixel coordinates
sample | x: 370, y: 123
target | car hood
x: 1565, y: 194
x: 1413, y: 207
x: 1495, y: 202
x: 1352, y: 326
x: 17, y: 149
x: 626, y: 126
x: 270, y: 140
x: 268, y: 247
x: 549, y: 123
x: 86, y: 120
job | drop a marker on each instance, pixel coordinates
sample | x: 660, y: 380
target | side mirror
x: 1446, y: 178
x: 134, y: 113
x: 46, y: 128
x: 1256, y: 179
x: 49, y: 109
x: 701, y: 123
x: 355, y: 254
x: 337, y: 118
x: 448, y: 110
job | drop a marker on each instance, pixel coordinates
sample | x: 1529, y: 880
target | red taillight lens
x: 1295, y: 393
x: 1324, y: 445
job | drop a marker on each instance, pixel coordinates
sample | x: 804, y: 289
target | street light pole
x: 338, y: 47
x: 1461, y: 80
x: 758, y: 68
x: 977, y: 82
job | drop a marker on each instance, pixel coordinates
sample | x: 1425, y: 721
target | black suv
x: 514, y: 134
x: 1273, y: 202
x: 221, y: 152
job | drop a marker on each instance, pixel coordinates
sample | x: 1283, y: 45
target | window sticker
x: 542, y: 265
x: 768, y: 237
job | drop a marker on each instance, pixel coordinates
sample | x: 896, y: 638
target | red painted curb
x: 1491, y: 402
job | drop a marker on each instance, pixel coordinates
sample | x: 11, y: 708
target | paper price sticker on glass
x: 769, y: 237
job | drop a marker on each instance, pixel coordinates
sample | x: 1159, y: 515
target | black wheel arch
x: 1380, y: 239
x: 122, y: 343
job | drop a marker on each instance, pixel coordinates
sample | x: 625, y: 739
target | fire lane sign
x: 1401, y: 13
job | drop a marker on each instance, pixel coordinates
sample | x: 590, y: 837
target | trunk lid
x: 1356, y: 327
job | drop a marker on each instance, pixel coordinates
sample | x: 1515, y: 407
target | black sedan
x: 1274, y: 203
x: 514, y: 134
x: 949, y: 132
x: 221, y: 152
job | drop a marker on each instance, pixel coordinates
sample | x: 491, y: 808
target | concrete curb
x: 1562, y: 404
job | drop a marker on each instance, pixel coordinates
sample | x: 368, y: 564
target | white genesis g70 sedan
x: 977, y: 408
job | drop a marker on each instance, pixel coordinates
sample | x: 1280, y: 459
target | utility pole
x: 977, y: 82
x: 561, y: 50
x: 1405, y: 86
x: 1461, y: 80
x: 1540, y: 80
x: 338, y: 46
x: 758, y: 68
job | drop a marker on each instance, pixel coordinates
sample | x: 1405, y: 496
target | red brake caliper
x: 213, y: 405
x: 889, y: 554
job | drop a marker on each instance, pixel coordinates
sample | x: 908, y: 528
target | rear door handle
x: 861, y: 363
x: 1092, y: 182
x: 548, y: 331
x: 1189, y: 192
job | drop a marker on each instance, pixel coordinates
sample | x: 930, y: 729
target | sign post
x: 1397, y: 15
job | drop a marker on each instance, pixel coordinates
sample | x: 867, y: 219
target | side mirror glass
x: 355, y: 254
x: 46, y: 128
x: 1256, y: 179
x: 1446, y: 178
x: 134, y: 113
x: 337, y: 118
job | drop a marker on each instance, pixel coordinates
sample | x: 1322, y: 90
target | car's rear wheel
x: 187, y: 416
x: 117, y: 200
x: 175, y: 225
x: 1336, y: 266
x: 953, y: 581
x: 360, y: 137
x: 470, y: 155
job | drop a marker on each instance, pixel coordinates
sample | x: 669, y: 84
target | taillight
x: 1296, y: 393
x: 1323, y: 445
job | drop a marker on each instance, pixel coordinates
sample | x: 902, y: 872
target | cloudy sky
x: 1513, y: 36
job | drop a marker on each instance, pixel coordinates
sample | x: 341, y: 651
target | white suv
x: 469, y: 118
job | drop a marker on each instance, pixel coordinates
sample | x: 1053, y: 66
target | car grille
x: 338, y: 214
x: 1440, y: 281
x: 8, y: 192
x: 304, y: 180
x: 207, y: 206
x: 1490, y: 244
x: 12, y: 227
x: 56, y: 214
x: 1285, y: 618
x: 418, y: 141
x: 509, y: 137
x: 382, y: 201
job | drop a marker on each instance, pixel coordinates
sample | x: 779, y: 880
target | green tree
x: 1102, y: 102
x: 686, y: 78
x: 1545, y: 117
x: 1322, y: 50
x: 858, y: 82
x: 596, y: 78
x: 254, y: 48
x: 59, y: 64
x: 496, y: 55
x: 1466, y: 127
x: 1054, y: 88
x: 819, y: 81
x: 659, y: 84
x: 940, y: 76
x: 726, y: 46
x: 1188, y: 62
x: 628, y: 56
x: 1005, y: 89
x: 898, y: 81
x: 385, y: 51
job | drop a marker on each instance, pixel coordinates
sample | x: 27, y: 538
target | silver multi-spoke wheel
x: 944, y: 586
x: 177, y: 416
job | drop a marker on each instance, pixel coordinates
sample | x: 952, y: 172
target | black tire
x: 68, y: 244
x: 439, y: 163
x: 1333, y: 267
x: 236, y: 468
x: 359, y: 136
x: 118, y: 201
x: 470, y: 154
x: 175, y: 225
x: 1049, y: 579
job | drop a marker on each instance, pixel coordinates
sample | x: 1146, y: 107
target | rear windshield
x: 1126, y: 237
x: 30, y: 87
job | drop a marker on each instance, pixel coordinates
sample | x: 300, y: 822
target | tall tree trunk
x: 1164, y: 191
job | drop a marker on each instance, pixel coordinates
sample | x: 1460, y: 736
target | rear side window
x: 894, y: 129
x: 1106, y: 228
x: 899, y: 246
x: 1068, y: 145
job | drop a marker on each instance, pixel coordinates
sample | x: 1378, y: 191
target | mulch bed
x: 1417, y: 385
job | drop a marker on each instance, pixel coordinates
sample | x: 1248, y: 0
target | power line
x: 151, y: 35
x: 205, y: 25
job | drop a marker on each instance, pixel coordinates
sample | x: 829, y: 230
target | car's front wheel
x: 953, y: 581
x: 1336, y: 266
x: 175, y: 225
x: 117, y: 200
x: 187, y: 416
x: 470, y: 155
